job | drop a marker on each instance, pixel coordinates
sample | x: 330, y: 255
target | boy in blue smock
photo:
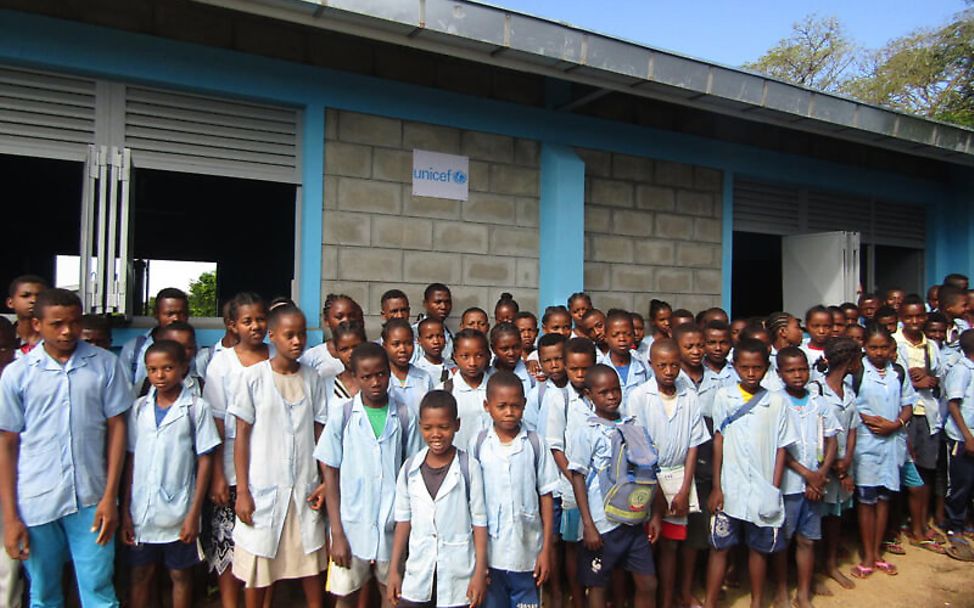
x: 808, y: 462
x: 171, y: 434
x: 360, y: 452
x: 62, y: 448
x: 171, y: 305
x: 441, y: 516
x: 608, y: 544
x: 519, y: 478
x: 960, y: 443
x: 752, y: 429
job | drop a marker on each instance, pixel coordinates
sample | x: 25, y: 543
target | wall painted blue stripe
x: 562, y: 225
x: 312, y: 196
x: 42, y: 42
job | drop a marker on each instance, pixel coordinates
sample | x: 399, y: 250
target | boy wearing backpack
x: 613, y: 467
x: 752, y: 429
x: 360, y: 452
x: 517, y: 470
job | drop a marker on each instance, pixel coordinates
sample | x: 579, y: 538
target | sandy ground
x: 925, y: 580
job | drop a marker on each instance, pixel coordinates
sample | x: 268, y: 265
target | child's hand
x: 190, y: 530
x: 244, y: 506
x: 16, y: 540
x: 106, y: 520
x: 341, y: 553
x: 817, y: 480
x: 317, y: 498
x: 841, y: 466
x: 969, y: 448
x: 127, y: 530
x: 812, y: 494
x: 477, y: 589
x: 219, y: 488
x: 534, y: 368
x: 716, y: 501
x: 848, y: 484
x: 542, y: 568
x: 654, y: 528
x: 591, y: 537
x: 681, y: 504
x: 393, y: 588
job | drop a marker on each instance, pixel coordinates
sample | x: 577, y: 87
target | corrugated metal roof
x: 493, y: 35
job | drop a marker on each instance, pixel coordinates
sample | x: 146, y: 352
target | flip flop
x: 958, y: 549
x: 894, y: 547
x: 886, y: 568
x: 860, y: 571
x: 929, y: 544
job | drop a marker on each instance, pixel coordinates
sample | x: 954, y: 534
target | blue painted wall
x: 562, y: 225
x: 41, y: 42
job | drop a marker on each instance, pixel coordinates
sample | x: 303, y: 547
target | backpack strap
x: 857, y: 380
x: 535, y: 442
x: 448, y: 385
x: 900, y: 373
x: 346, y: 414
x: 481, y: 437
x: 541, y: 390
x: 140, y: 341
x: 444, y: 375
x: 743, y: 410
x: 464, y: 470
x: 401, y: 413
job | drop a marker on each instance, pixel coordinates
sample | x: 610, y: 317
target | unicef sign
x: 440, y: 175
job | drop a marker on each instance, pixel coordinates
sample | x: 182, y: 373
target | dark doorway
x: 244, y: 227
x: 41, y: 216
x: 755, y: 275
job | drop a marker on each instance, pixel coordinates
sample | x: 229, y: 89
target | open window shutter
x: 182, y: 132
x: 47, y: 115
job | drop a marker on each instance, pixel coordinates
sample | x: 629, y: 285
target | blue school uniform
x: 514, y: 477
x: 61, y: 413
x: 412, y: 389
x: 844, y: 411
x: 418, y: 351
x: 164, y: 461
x: 674, y: 435
x: 750, y: 447
x: 132, y: 356
x: 814, y: 420
x: 441, y: 544
x: 960, y: 385
x: 589, y: 452
x: 709, y: 384
x: 368, y: 467
x: 636, y: 373
x: 878, y: 459
x: 563, y: 412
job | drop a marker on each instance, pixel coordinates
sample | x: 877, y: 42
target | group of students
x: 433, y: 468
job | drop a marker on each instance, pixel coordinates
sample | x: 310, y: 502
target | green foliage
x: 929, y: 72
x: 202, y: 296
x: 818, y: 54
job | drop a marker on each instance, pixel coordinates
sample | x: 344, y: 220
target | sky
x: 162, y: 273
x: 732, y: 33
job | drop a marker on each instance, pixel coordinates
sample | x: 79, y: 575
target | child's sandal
x: 893, y: 547
x: 886, y: 568
x: 860, y: 571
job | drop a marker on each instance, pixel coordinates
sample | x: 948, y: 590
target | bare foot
x: 690, y: 602
x: 820, y: 588
x: 802, y: 603
x: 836, y: 575
x: 781, y: 600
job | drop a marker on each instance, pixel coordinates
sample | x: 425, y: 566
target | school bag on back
x: 629, y: 483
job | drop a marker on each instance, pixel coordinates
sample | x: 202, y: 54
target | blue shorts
x: 623, y: 547
x: 176, y: 555
x: 726, y: 532
x: 802, y: 516
x: 508, y: 589
x: 910, y: 476
x: 870, y: 495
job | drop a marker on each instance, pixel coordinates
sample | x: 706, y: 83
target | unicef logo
x: 459, y: 177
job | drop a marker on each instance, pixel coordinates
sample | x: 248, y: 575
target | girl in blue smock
x: 883, y: 402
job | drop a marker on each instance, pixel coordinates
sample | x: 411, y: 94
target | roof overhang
x: 500, y: 37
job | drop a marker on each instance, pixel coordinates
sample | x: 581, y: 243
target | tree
x: 928, y: 73
x: 202, y: 296
x: 819, y: 54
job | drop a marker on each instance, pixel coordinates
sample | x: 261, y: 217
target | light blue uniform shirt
x: 674, y: 435
x: 878, y: 459
x: 164, y: 473
x: 589, y: 453
x: 639, y: 372
x: 447, y: 344
x: 814, y: 421
x: 367, y: 474
x: 441, y: 539
x: 134, y: 362
x: 60, y: 413
x: 709, y: 384
x: 321, y: 359
x: 411, y: 390
x: 960, y: 385
x: 844, y: 411
x: 514, y: 479
x: 750, y: 448
x: 470, y: 408
x: 559, y: 419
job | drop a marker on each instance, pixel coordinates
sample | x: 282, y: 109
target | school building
x: 278, y: 139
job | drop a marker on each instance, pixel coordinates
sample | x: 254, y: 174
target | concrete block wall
x: 377, y: 236
x: 652, y: 230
